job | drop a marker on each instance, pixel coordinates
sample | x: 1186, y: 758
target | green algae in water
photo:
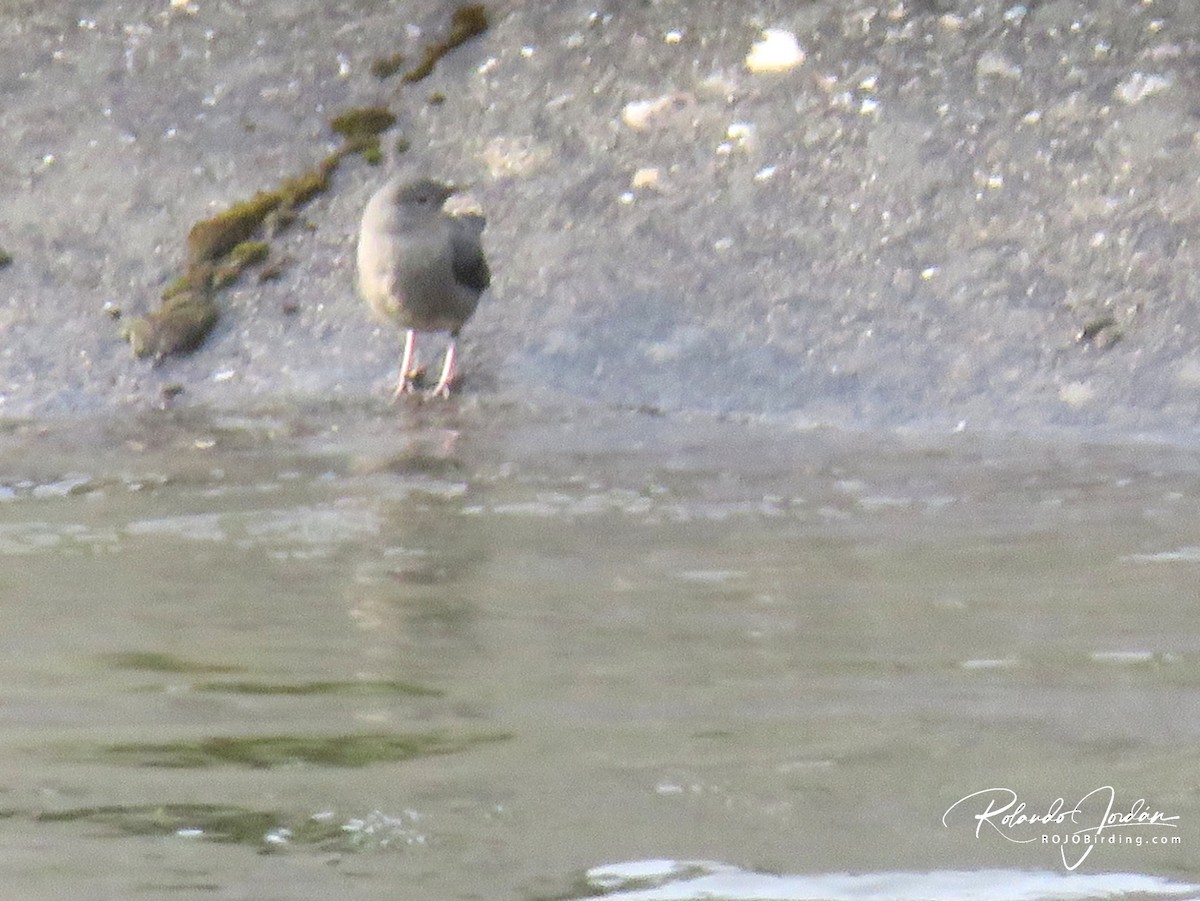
x: 264, y: 830
x: 155, y: 662
x: 264, y: 752
x: 215, y: 822
x: 301, y: 689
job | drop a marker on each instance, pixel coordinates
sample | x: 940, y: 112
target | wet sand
x: 947, y: 214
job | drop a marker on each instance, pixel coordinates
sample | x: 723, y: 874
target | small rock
x: 1076, y: 394
x: 1189, y: 372
x: 1138, y: 86
x: 509, y: 156
x: 993, y: 63
x: 646, y: 178
x: 641, y: 114
x: 778, y: 51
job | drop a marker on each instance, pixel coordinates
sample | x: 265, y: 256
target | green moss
x: 363, y: 122
x: 402, y: 144
x: 180, y: 325
x: 244, y: 255
x: 225, y: 275
x: 361, y: 129
x: 300, y: 189
x: 5, y: 258
x: 387, y: 66
x: 467, y: 22
x: 250, y: 252
x: 219, y: 249
x: 178, y: 286
x: 273, y: 271
x: 214, y: 259
x: 211, y: 239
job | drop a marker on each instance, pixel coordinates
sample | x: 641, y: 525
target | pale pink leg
x: 405, y: 386
x: 442, y: 388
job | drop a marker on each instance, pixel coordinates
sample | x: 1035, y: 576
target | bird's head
x: 417, y: 194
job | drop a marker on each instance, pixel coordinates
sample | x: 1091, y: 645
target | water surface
x: 479, y: 649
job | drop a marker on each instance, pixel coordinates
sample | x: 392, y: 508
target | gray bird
x: 421, y: 267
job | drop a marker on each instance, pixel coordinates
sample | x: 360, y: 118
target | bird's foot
x: 449, y: 373
x: 409, y: 383
x: 441, y: 389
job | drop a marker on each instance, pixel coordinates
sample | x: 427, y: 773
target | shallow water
x: 479, y: 649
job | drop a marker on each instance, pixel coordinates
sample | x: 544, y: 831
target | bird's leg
x: 405, y: 385
x: 442, y: 388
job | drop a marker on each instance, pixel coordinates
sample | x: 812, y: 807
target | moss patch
x: 210, y: 239
x: 180, y: 325
x: 467, y: 22
x: 387, y: 66
x: 243, y: 256
x: 361, y: 129
x: 363, y: 122
x: 221, y: 247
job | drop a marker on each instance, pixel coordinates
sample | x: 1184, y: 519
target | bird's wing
x: 470, y: 268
